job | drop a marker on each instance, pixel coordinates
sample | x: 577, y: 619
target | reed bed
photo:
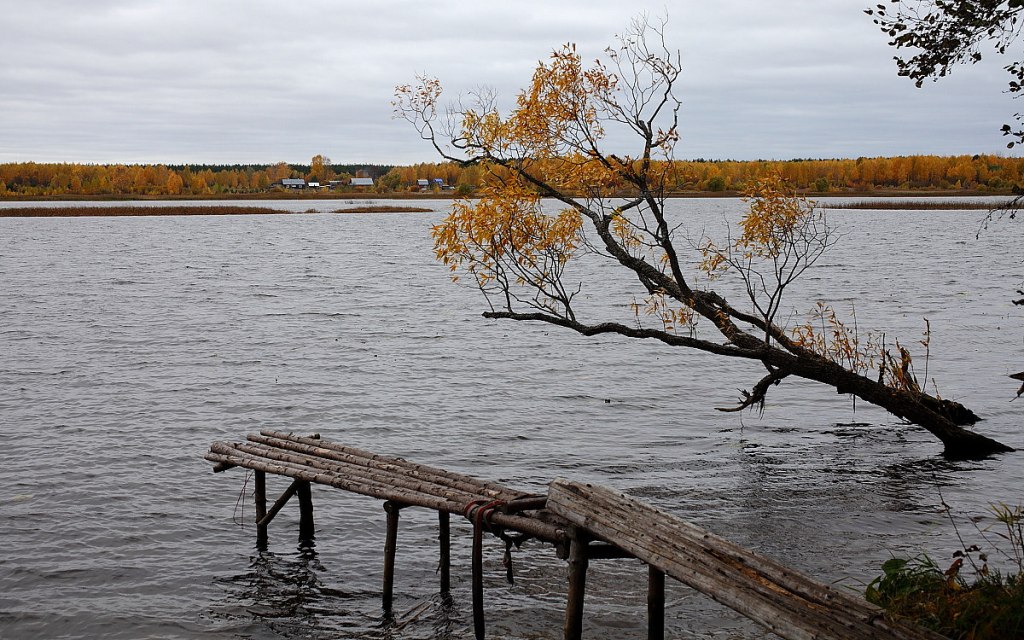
x: 383, y: 208
x: 915, y: 205
x: 75, y: 212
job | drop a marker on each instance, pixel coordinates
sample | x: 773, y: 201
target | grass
x: 385, y: 208
x: 66, y: 212
x: 988, y: 607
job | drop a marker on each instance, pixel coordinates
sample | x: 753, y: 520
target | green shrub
x: 990, y: 606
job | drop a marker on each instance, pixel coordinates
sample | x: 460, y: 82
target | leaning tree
x: 554, y: 144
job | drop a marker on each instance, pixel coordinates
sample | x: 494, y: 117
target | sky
x: 255, y: 81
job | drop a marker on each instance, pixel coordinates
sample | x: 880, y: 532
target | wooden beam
x: 279, y: 504
x: 598, y: 551
x: 785, y: 601
x: 378, y: 488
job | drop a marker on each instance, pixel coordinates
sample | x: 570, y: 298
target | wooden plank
x: 785, y: 601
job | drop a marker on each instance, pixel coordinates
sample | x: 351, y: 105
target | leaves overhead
x: 945, y: 33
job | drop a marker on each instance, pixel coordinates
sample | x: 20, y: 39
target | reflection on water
x: 287, y: 596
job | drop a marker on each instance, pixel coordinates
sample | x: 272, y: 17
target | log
x: 786, y: 602
x: 606, y: 552
x: 368, y: 458
x: 221, y: 452
x: 372, y: 467
x: 390, y: 479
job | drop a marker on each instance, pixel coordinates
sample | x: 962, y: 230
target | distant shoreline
x: 950, y: 201
x: 448, y: 195
x: 184, y: 210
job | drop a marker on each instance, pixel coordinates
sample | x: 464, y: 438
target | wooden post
x: 390, y: 545
x: 655, y: 603
x: 478, y: 579
x: 260, y: 495
x: 444, y: 537
x: 578, y: 563
x: 306, y: 527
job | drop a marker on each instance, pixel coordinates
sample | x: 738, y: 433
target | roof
x: 293, y: 181
x: 361, y: 182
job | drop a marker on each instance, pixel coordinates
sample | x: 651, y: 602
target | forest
x: 987, y: 174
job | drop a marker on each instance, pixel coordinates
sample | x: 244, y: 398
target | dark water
x: 127, y: 345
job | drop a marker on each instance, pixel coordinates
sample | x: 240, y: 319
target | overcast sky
x: 255, y: 81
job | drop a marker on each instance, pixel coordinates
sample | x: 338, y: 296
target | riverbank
x: 451, y: 195
x: 185, y: 210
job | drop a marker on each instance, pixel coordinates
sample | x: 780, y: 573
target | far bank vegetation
x: 948, y: 175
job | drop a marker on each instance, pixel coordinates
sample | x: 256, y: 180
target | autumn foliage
x: 553, y: 193
x: 992, y: 174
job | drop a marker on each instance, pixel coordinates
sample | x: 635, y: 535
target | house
x: 293, y: 183
x: 423, y: 183
x: 361, y: 182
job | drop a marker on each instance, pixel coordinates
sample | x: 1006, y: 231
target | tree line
x: 979, y: 173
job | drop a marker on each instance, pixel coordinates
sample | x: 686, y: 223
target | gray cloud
x: 256, y: 81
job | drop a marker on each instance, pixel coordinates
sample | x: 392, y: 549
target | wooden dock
x: 583, y: 522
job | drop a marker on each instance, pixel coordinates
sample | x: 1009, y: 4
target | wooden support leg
x: 478, y: 579
x: 444, y: 537
x: 655, y: 604
x: 260, y: 495
x: 390, y: 545
x: 578, y: 563
x: 279, y: 503
x: 306, y: 527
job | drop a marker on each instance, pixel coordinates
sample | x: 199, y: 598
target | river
x: 128, y: 345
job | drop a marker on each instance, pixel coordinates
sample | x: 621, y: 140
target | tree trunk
x: 941, y: 418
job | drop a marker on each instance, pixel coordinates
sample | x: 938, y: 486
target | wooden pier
x: 583, y: 522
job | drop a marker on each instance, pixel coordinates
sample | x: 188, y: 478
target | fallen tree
x: 554, y: 144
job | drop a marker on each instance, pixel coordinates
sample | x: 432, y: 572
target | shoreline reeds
x: 913, y: 205
x: 184, y: 210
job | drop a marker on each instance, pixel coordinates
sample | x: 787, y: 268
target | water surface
x: 130, y: 344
